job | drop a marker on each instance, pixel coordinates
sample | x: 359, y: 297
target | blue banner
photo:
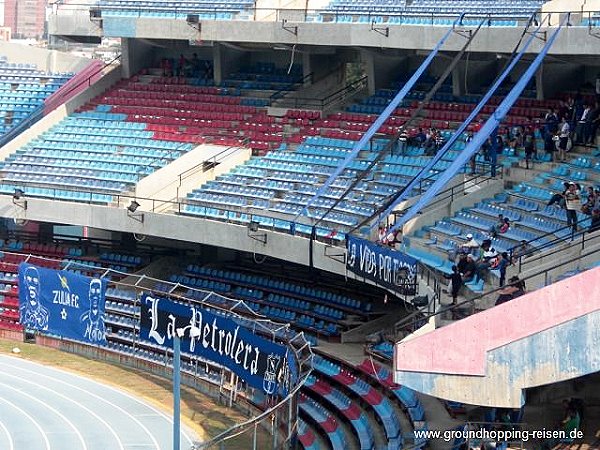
x: 383, y: 265
x: 62, y: 303
x: 262, y: 364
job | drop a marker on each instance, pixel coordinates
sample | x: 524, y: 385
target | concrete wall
x: 559, y: 76
x: 137, y: 54
x: 543, y: 337
x: 165, y: 183
x: 572, y: 41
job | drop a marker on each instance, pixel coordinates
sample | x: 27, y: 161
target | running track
x: 43, y: 408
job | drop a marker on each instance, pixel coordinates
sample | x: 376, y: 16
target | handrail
x: 322, y: 103
x: 417, y: 315
x: 36, y: 114
x: 277, y: 94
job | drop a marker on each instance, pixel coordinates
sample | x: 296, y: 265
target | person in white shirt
x: 564, y: 130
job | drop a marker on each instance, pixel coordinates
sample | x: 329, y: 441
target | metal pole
x: 176, y: 392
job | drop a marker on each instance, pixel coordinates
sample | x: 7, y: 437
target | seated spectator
x: 495, y: 229
x: 471, y: 245
x: 514, y: 289
x: 520, y: 251
x: 588, y: 206
x: 420, y: 138
x: 469, y: 269
x: 505, y: 226
x: 559, y: 198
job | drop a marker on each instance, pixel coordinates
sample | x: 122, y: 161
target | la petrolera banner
x: 62, y: 303
x: 261, y: 363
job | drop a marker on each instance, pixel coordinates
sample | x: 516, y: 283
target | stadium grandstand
x: 360, y: 224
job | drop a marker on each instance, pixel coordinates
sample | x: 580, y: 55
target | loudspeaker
x: 193, y: 18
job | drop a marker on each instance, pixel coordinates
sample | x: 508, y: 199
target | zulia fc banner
x: 262, y: 364
x: 62, y: 303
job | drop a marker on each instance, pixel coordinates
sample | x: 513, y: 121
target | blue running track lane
x: 43, y: 408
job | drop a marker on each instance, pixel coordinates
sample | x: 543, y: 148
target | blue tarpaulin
x: 387, y: 112
x: 457, y: 134
x: 479, y: 138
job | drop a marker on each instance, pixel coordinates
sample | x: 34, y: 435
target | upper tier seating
x: 429, y: 12
x: 23, y: 89
x: 219, y: 10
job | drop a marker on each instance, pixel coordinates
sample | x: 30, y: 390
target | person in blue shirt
x: 503, y: 263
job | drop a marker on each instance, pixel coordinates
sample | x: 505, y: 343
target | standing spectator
x: 456, y: 283
x: 501, y: 265
x: 583, y: 125
x: 594, y: 124
x: 529, y: 145
x: 420, y: 138
x: 551, y: 121
x: 563, y: 139
x: 181, y: 65
x: 572, y: 204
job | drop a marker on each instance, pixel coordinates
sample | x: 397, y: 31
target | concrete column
x: 136, y: 55
x: 539, y: 82
x: 306, y: 67
x: 457, y: 84
x: 366, y: 59
x: 217, y: 63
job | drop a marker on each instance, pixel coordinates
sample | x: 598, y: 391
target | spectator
x: 572, y: 205
x: 502, y: 264
x: 549, y: 145
x: 551, y: 121
x: 595, y: 223
x: 181, y: 66
x: 529, y: 145
x: 594, y: 124
x: 469, y: 269
x: 588, y: 206
x: 583, y: 125
x: 559, y: 198
x: 563, y: 139
x: 505, y: 226
x: 381, y: 234
x: 495, y: 229
x: 455, y: 283
x: 514, y: 289
x: 420, y: 138
x: 471, y: 245
x: 597, y: 197
x: 520, y: 251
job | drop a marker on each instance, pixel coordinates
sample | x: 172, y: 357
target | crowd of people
x: 186, y: 67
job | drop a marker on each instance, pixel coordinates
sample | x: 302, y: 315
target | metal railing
x: 468, y: 307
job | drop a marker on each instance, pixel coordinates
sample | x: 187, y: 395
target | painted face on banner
x: 32, y: 286
x: 95, y: 293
